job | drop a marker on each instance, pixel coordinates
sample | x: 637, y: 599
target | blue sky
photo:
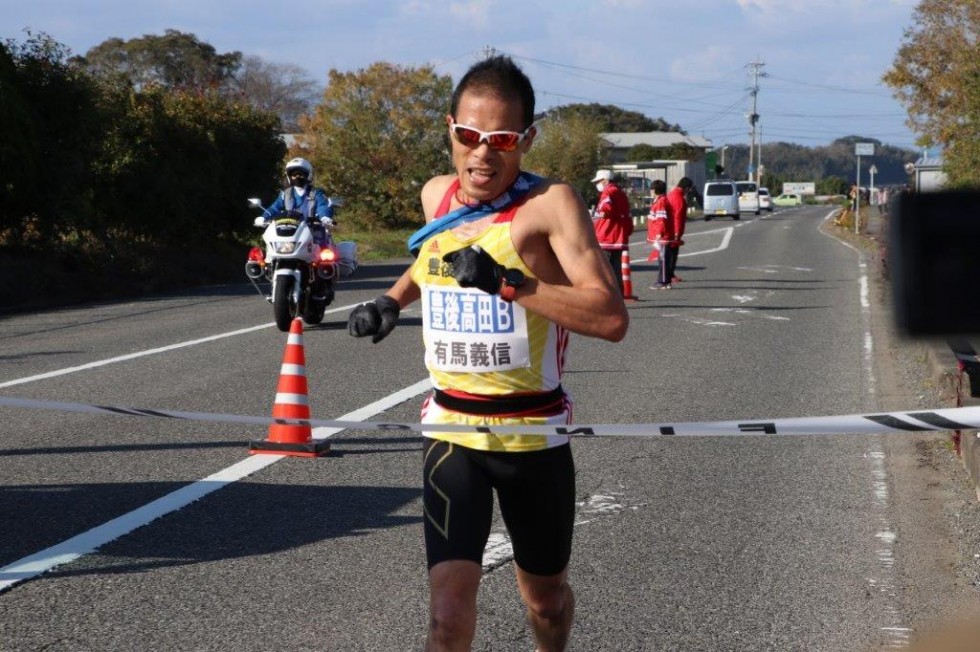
x: 686, y: 61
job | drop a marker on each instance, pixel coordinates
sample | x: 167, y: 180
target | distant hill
x: 791, y: 162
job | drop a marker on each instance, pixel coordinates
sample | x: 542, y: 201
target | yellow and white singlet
x: 480, y: 349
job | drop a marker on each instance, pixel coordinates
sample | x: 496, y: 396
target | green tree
x: 175, y: 60
x: 644, y: 152
x: 18, y: 152
x: 53, y: 136
x: 772, y: 182
x: 833, y: 185
x: 676, y: 152
x: 936, y: 76
x: 612, y: 118
x: 87, y: 164
x: 567, y: 148
x: 180, y: 165
x: 376, y: 137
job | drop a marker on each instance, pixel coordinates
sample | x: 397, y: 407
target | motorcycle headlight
x: 286, y: 247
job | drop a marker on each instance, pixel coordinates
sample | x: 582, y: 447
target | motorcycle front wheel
x: 315, y: 308
x: 282, y: 303
x: 314, y: 313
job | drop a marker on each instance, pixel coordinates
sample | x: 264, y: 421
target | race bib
x: 468, y: 330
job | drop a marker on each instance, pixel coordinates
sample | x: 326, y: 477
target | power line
x: 829, y: 87
x: 698, y: 104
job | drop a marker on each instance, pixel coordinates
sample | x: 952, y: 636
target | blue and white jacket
x: 313, y: 203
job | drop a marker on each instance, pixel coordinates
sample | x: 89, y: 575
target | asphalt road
x: 706, y: 543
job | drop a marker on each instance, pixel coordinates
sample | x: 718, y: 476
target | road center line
x: 726, y: 239
x: 87, y: 542
x: 140, y: 354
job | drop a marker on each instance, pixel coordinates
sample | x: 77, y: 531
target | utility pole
x: 758, y: 161
x: 755, y: 67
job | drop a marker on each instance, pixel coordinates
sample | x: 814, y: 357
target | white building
x: 927, y: 174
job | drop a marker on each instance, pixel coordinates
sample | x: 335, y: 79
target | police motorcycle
x: 302, y: 270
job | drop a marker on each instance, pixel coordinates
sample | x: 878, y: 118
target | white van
x: 748, y: 196
x: 721, y: 200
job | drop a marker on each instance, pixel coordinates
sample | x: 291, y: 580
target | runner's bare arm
x: 581, y: 294
x: 404, y: 291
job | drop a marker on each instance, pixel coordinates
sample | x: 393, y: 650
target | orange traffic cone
x: 292, y: 402
x: 627, y: 282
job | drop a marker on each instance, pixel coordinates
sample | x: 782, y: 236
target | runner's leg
x: 550, y: 608
x: 453, y: 587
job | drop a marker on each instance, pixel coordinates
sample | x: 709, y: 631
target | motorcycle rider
x: 301, y: 198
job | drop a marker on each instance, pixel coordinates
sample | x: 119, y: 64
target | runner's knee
x: 547, y: 601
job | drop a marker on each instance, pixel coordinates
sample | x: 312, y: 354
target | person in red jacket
x: 677, y: 214
x: 660, y: 231
x: 612, y: 221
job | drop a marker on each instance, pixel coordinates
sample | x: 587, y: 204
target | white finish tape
x: 963, y: 418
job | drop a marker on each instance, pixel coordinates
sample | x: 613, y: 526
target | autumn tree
x: 567, y: 147
x: 377, y: 136
x: 936, y: 76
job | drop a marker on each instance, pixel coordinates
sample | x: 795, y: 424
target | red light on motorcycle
x: 256, y: 255
x: 327, y: 255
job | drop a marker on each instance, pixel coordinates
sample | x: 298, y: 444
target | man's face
x: 484, y: 173
x: 297, y: 178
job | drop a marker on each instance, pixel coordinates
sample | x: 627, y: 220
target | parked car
x: 748, y: 196
x: 788, y: 199
x: 721, y: 200
x: 765, y: 199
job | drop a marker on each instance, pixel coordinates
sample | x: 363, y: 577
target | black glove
x: 377, y: 318
x: 474, y: 268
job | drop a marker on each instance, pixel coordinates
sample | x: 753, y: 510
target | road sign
x: 864, y: 149
x: 800, y: 187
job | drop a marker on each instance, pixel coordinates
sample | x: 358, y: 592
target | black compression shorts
x: 535, y: 490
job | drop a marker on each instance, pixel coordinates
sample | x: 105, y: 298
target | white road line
x: 885, y: 580
x: 726, y: 239
x: 868, y: 358
x: 87, y: 542
x: 140, y: 354
x: 698, y: 321
x: 498, y: 551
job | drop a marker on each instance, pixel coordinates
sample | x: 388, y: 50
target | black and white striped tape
x: 943, y: 419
